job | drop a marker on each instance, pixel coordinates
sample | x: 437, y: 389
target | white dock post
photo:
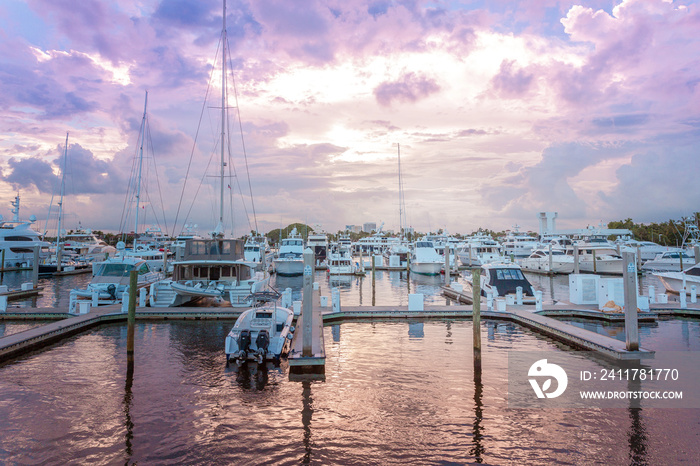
x: 447, y: 265
x: 693, y: 294
x: 519, y: 295
x: 142, y: 297
x: 684, y: 298
x: 95, y: 298
x: 652, y: 296
x: 489, y: 301
x: 307, y: 303
x: 629, y: 277
x: 35, y: 267
x: 125, y: 302
x: 3, y: 303
x: 696, y: 252
x: 538, y: 301
x: 287, y: 297
x: 576, y: 271
x: 84, y: 307
x: 550, y: 258
x: 335, y: 299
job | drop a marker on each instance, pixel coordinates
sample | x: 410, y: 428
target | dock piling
x: 696, y: 252
x: 629, y: 277
x: 476, y: 317
x: 693, y: 294
x: 3, y: 303
x: 307, y: 303
x: 447, y: 265
x: 576, y: 270
x: 35, y: 267
x: 131, y: 317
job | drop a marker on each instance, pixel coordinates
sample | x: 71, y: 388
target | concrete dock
x: 66, y: 324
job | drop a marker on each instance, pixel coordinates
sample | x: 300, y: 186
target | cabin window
x: 226, y: 271
x: 18, y: 238
x: 509, y: 274
x: 263, y: 315
x: 226, y: 247
x: 143, y: 269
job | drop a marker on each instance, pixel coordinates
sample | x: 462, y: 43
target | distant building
x: 353, y: 228
x: 369, y: 227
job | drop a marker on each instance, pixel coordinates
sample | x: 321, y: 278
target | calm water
x: 395, y: 393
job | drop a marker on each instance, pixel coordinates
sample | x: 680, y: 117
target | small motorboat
x: 674, y: 282
x: 503, y: 279
x: 261, y: 333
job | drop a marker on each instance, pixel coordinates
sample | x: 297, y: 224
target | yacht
x: 211, y: 268
x: 257, y: 249
x: 518, y: 244
x: 18, y: 239
x: 261, y: 333
x: 425, y: 260
x: 597, y: 259
x: 669, y: 262
x: 290, y: 259
x: 340, y: 264
x: 546, y: 260
x: 86, y: 244
x: 479, y: 249
x: 318, y: 242
x: 674, y: 282
x: 110, y: 279
x: 648, y: 250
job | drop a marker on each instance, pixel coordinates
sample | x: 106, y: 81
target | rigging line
x: 126, y: 206
x: 235, y: 175
x: 155, y: 167
x: 201, y: 182
x: 194, y: 145
x: 245, y: 155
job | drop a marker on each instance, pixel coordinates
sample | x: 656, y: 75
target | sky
x: 501, y: 109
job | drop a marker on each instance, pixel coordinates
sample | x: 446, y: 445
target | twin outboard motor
x: 244, y: 340
x: 263, y: 340
x: 112, y: 290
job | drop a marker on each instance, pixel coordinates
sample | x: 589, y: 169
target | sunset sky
x: 502, y: 109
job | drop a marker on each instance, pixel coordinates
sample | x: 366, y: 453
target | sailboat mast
x: 402, y: 213
x: 138, y: 182
x: 63, y: 188
x: 223, y: 114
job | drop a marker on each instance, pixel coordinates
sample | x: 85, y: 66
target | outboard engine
x: 112, y: 290
x: 244, y: 341
x: 263, y: 340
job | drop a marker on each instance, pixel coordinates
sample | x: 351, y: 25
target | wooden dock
x: 309, y: 367
x: 313, y: 366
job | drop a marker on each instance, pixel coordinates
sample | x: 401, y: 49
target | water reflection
x: 128, y: 400
x: 307, y: 412
x: 252, y: 376
x: 477, y: 450
x: 415, y: 330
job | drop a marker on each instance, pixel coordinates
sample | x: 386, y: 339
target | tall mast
x: 402, y: 214
x: 63, y: 187
x: 138, y: 185
x: 223, y: 115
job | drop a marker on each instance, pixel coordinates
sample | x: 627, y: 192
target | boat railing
x: 261, y: 297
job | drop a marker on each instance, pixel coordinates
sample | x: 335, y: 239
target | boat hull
x: 426, y: 268
x: 289, y: 267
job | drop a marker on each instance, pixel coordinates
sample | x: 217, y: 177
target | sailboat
x: 110, y: 277
x: 59, y: 262
x: 216, y: 267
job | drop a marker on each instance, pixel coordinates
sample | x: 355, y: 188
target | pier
x: 325, y: 311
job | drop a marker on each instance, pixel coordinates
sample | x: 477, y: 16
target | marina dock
x: 542, y: 322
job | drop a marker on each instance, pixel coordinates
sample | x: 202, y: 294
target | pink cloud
x: 409, y: 88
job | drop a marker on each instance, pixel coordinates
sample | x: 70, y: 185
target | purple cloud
x: 409, y: 88
x: 511, y: 83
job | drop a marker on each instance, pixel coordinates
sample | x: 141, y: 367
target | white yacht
x: 318, y: 242
x: 425, y: 260
x: 290, y: 258
x: 340, y: 264
x: 85, y: 243
x: 669, y: 262
x: 110, y: 279
x: 479, y: 249
x: 212, y: 268
x: 674, y: 282
x: 18, y: 239
x: 598, y: 259
x: 648, y: 250
x: 544, y: 260
x: 518, y: 244
x: 261, y: 333
x: 257, y: 249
